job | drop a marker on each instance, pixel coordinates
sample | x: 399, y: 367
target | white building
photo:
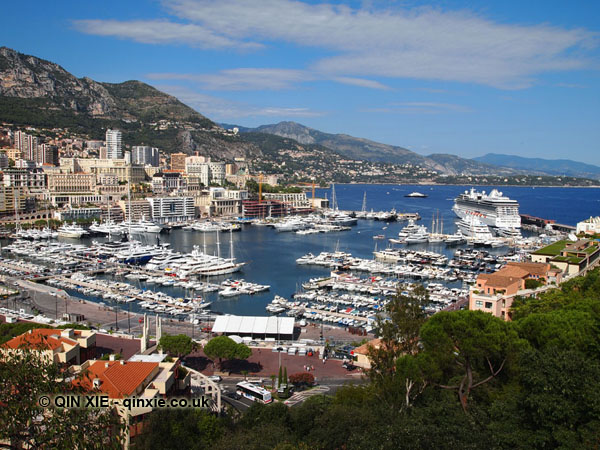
x: 145, y: 155
x: 589, y: 226
x: 114, y: 149
x: 172, y: 209
x: 208, y: 171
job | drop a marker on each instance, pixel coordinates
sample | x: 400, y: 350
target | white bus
x: 253, y: 392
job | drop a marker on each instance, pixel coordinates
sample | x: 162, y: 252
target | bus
x: 253, y: 392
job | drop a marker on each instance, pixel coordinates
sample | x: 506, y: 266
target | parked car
x: 215, y: 378
x: 349, y: 366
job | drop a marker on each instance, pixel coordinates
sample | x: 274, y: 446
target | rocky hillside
x: 457, y: 166
x: 40, y: 93
x: 561, y: 167
x: 364, y: 149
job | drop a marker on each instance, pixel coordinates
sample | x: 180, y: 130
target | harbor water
x: 271, y: 255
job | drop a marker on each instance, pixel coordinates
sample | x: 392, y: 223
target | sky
x: 460, y: 77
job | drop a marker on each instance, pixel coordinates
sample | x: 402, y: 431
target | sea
x: 270, y: 256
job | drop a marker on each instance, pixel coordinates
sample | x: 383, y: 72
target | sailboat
x: 435, y: 236
x: 363, y: 212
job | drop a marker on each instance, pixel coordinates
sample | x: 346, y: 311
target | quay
x: 339, y: 315
x: 110, y: 290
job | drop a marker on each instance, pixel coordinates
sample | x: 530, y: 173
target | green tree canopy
x: 24, y: 378
x: 466, y: 349
x: 178, y: 345
x: 223, y: 347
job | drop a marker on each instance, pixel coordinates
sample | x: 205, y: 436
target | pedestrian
x: 323, y: 360
x: 312, y: 368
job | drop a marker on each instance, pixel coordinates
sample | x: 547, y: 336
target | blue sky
x: 459, y: 77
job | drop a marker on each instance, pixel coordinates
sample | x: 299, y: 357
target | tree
x: 302, y: 378
x: 279, y: 378
x: 24, y: 378
x: 180, y: 429
x: 285, y: 377
x: 398, y: 378
x: 178, y: 345
x: 223, y: 347
x: 466, y: 349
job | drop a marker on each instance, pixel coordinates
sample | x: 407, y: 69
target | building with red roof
x: 66, y: 346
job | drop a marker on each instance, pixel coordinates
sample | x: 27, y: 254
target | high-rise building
x: 114, y: 148
x: 47, y: 154
x: 145, y: 155
x: 178, y: 161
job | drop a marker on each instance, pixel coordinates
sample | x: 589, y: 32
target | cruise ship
x: 491, y: 209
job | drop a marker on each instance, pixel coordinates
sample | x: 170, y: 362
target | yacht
x: 149, y: 226
x: 455, y: 239
x: 493, y: 209
x: 471, y: 226
x: 206, y: 227
x: 107, y: 227
x: 416, y: 195
x: 71, y: 231
x: 419, y: 237
x: 512, y: 233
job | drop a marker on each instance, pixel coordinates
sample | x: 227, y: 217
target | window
x: 488, y: 305
x: 478, y: 303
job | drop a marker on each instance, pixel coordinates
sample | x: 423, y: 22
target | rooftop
x: 553, y: 249
x: 41, y: 338
x: 118, y: 379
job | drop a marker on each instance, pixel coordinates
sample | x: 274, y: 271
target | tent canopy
x: 240, y: 325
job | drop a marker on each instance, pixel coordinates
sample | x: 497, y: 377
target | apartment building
x: 495, y: 292
x: 172, y: 209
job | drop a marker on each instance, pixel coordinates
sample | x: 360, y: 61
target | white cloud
x: 361, y: 82
x: 421, y: 43
x: 241, y: 79
x: 221, y: 109
x: 162, y: 32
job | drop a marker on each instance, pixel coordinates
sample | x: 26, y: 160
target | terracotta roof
x: 539, y: 269
x: 512, y: 271
x: 118, y: 380
x: 40, y: 338
x: 496, y: 280
x: 363, y: 349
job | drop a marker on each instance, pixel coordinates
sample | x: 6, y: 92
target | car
x: 215, y: 378
x: 349, y: 366
x: 233, y: 395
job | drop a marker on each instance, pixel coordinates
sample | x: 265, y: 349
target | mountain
x: 455, y: 165
x: 564, y: 167
x: 37, y: 92
x: 364, y: 149
x: 349, y: 146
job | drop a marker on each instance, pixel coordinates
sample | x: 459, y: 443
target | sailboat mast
x: 231, y: 244
x: 129, y: 204
x: 364, y: 204
x: 218, y: 245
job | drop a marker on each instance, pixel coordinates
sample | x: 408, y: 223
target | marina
x: 358, y: 264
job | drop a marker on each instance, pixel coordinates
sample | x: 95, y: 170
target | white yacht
x: 471, y: 226
x: 513, y: 233
x: 206, y: 227
x: 149, y: 226
x: 107, y: 227
x: 491, y: 209
x: 416, y: 195
x: 71, y: 231
x: 410, y: 229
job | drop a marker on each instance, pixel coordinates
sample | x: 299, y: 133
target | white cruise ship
x: 491, y: 209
